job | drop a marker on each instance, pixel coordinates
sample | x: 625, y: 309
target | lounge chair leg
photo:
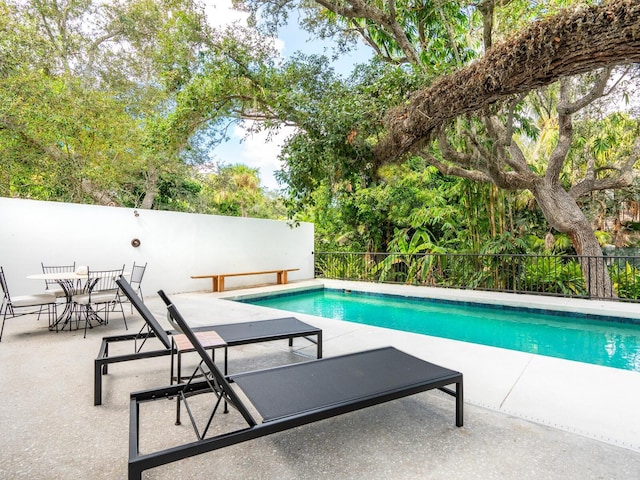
x: 105, y: 367
x: 459, y: 405
x: 135, y: 473
x: 97, y: 382
x: 178, y: 380
x: 226, y: 372
x: 178, y: 410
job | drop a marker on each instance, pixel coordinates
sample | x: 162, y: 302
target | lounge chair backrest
x: 220, y: 379
x: 144, y: 311
x: 170, y: 319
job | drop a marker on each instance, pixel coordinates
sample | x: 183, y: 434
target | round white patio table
x: 69, y: 282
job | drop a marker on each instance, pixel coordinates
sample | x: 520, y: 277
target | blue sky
x: 255, y: 151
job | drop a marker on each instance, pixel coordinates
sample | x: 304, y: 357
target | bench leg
x: 217, y: 283
x: 282, y: 277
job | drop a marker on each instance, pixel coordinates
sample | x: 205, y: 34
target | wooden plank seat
x: 217, y: 279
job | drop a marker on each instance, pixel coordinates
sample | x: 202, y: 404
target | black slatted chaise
x: 288, y: 396
x: 233, y: 334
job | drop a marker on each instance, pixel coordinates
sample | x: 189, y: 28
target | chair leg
x: 124, y: 317
x: 76, y: 313
x: 54, y: 318
x: 51, y: 316
x: 5, y: 310
x: 86, y: 320
x: 4, y: 317
x: 80, y: 312
x: 118, y: 303
x: 141, y: 299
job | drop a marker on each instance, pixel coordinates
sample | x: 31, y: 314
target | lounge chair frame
x: 258, y: 388
x: 234, y: 334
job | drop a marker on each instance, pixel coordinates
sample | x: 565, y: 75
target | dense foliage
x: 96, y: 105
x: 124, y: 102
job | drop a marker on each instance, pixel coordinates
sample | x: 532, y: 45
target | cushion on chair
x: 99, y: 297
x: 57, y: 292
x: 29, y: 300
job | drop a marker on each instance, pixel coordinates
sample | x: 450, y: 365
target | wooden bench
x: 218, y: 279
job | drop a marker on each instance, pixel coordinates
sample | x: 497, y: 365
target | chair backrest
x: 5, y: 288
x: 137, y: 272
x: 144, y: 312
x: 219, y: 378
x: 103, y: 281
x: 56, y: 269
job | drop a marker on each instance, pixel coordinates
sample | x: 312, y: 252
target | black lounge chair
x: 233, y: 334
x: 289, y: 396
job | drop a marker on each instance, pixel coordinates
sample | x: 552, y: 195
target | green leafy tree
x: 468, y: 120
x: 235, y: 190
x: 83, y: 94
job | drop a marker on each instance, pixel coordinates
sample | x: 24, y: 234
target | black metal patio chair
x: 52, y: 286
x: 99, y: 299
x: 234, y: 334
x: 12, y: 307
x: 287, y: 397
x: 137, y: 274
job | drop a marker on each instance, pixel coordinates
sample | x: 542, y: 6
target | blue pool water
x: 580, y: 338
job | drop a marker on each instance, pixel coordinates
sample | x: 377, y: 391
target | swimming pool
x: 581, y: 338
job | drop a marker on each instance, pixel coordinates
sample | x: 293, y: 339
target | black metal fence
x: 616, y: 276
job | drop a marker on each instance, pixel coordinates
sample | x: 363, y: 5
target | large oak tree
x: 465, y: 121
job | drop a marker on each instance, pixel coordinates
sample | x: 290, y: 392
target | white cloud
x: 219, y: 12
x: 256, y: 150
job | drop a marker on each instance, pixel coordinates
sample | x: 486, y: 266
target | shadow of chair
x: 99, y: 299
x: 25, y: 304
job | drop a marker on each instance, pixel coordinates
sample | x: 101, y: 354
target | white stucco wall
x: 175, y: 245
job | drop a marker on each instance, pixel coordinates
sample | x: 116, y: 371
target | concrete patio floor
x: 526, y: 416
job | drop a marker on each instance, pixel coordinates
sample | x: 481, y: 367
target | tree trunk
x: 562, y: 212
x: 151, y: 188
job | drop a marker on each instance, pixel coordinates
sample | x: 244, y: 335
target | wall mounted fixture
x: 135, y: 243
